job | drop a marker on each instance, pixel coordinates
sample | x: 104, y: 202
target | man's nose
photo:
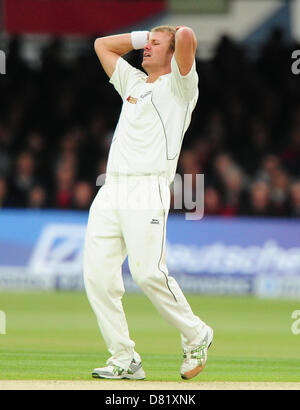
x: 147, y: 46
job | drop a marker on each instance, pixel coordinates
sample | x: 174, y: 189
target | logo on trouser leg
x: 154, y: 221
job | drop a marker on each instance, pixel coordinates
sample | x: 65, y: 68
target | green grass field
x: 54, y: 336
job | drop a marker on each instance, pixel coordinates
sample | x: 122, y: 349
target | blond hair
x: 167, y: 29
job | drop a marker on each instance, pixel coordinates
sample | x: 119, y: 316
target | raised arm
x: 110, y: 48
x: 185, y: 48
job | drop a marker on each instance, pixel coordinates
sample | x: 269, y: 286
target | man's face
x: 157, y: 54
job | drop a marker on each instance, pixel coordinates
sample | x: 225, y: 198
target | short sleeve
x: 124, y: 76
x: 184, y: 87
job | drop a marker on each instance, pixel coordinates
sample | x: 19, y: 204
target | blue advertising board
x: 43, y: 249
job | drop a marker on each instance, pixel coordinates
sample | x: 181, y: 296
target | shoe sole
x: 198, y: 369
x: 129, y: 377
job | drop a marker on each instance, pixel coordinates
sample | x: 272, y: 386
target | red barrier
x: 85, y: 17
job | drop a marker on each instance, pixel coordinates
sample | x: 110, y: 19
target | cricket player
x: 129, y: 213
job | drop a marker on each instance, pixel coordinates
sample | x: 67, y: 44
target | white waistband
x: 112, y: 177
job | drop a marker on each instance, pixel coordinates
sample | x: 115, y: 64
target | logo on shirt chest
x: 132, y: 100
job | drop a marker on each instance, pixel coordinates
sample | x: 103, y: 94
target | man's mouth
x: 147, y: 55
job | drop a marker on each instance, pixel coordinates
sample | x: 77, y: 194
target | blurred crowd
x: 57, y: 121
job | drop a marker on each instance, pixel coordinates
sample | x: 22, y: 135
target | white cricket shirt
x: 153, y: 120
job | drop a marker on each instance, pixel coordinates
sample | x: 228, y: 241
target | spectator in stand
x: 222, y: 164
x: 97, y: 130
x: 271, y: 163
x: 259, y: 201
x: 83, y: 196
x: 215, y: 130
x: 234, y: 193
x: 4, y: 202
x: 259, y: 146
x: 35, y: 143
x: 5, y: 142
x: 203, y: 153
x: 279, y: 192
x: 24, y: 178
x: 229, y: 179
x: 69, y: 149
x: 212, y: 202
x: 189, y: 163
x: 37, y: 198
x: 64, y: 184
x: 291, y: 155
x: 295, y: 199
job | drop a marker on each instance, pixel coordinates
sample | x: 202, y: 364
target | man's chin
x: 145, y: 66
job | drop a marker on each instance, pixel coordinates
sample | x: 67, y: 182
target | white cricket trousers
x: 128, y: 217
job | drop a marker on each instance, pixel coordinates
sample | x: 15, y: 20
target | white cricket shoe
x: 135, y: 372
x: 195, y: 359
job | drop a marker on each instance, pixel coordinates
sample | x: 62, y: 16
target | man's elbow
x: 186, y: 35
x: 98, y: 44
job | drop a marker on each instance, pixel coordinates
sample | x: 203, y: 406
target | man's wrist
x: 139, y: 39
